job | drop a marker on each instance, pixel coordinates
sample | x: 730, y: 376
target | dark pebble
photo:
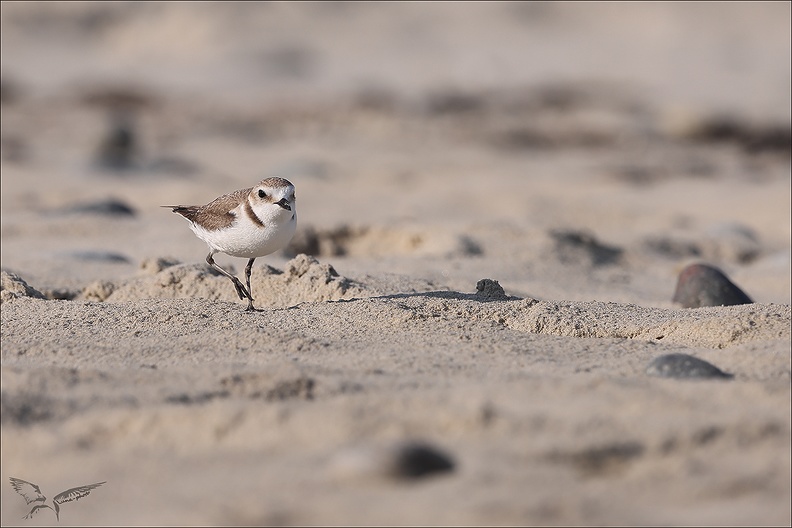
x: 99, y: 256
x: 452, y: 102
x: 702, y: 285
x: 684, y: 366
x: 414, y: 460
x: 753, y: 139
x: 490, y: 290
x: 108, y: 207
x: 119, y: 148
x: 578, y: 246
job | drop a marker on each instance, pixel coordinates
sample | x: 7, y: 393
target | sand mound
x: 13, y: 286
x: 715, y: 327
x: 392, y: 302
x: 304, y: 280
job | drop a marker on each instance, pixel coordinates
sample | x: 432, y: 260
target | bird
x: 32, y: 493
x: 248, y: 223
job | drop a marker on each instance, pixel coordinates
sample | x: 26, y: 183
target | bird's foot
x: 242, y: 291
x: 250, y: 307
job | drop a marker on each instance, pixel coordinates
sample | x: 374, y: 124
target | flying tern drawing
x: 32, y: 495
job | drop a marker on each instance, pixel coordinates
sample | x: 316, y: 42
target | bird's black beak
x: 284, y: 203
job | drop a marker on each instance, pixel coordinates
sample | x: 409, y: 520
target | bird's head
x: 273, y: 200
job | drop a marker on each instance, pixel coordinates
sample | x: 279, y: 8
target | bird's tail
x: 187, y: 211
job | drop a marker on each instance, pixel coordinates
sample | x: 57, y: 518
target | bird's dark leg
x: 240, y: 289
x: 248, y: 269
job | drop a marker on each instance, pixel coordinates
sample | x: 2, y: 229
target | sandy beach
x: 475, y: 323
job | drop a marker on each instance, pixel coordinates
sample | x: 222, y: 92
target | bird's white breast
x: 248, y: 239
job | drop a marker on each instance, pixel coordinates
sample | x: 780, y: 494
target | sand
x: 494, y: 203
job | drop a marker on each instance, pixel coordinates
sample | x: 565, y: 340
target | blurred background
x: 448, y: 140
x: 722, y: 56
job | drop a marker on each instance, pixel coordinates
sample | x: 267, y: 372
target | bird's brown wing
x: 217, y: 214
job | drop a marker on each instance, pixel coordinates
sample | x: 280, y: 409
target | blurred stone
x: 300, y: 388
x: 702, y: 285
x: 290, y: 61
x: 122, y: 98
x: 453, y: 102
x: 61, y: 294
x: 404, y: 461
x: 673, y: 247
x: 376, y: 98
x: 413, y: 460
x: 683, y: 366
x: 581, y: 246
x: 9, y: 90
x: 119, y: 148
x: 14, y: 149
x: 752, y: 138
x: 733, y: 241
x: 465, y: 247
x: 99, y: 256
x: 109, y: 207
x: 725, y: 242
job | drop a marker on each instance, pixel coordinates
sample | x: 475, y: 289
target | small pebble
x: 410, y: 460
x: 119, y: 148
x: 684, y: 366
x: 414, y: 460
x: 109, y: 207
x: 99, y: 256
x: 702, y: 285
x: 573, y: 246
x: 490, y: 290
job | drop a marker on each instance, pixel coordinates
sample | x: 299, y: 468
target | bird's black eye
x: 262, y: 194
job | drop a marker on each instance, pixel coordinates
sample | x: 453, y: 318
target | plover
x: 248, y: 223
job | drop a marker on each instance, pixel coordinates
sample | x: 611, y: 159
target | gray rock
x: 490, y: 290
x: 406, y: 461
x: 583, y: 247
x: 702, y: 285
x: 118, y: 150
x: 412, y: 460
x: 684, y: 366
x: 109, y: 207
x: 99, y: 256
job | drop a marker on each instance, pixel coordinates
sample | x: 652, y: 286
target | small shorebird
x: 248, y: 223
x: 32, y: 493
